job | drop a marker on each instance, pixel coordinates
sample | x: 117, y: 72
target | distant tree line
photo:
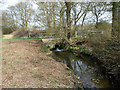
x: 58, y: 16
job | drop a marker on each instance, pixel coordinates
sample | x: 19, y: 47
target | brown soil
x: 25, y: 66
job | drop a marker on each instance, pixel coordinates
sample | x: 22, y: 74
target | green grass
x: 48, y: 46
x: 84, y: 50
x: 4, y: 48
x: 18, y: 55
x: 69, y: 48
x: 14, y: 39
x: 38, y: 61
x: 8, y: 54
x: 52, y: 86
x: 36, y: 75
x: 67, y: 73
x: 56, y: 81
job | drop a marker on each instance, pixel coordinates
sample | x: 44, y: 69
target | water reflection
x: 85, y: 68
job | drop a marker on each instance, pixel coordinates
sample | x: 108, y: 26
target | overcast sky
x: 7, y: 3
x: 13, y: 2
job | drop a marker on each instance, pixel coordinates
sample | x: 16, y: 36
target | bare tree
x: 8, y: 23
x: 25, y: 11
x: 43, y: 15
x: 98, y: 9
x: 79, y: 14
x: 68, y: 20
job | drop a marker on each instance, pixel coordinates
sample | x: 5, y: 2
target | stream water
x: 86, y: 68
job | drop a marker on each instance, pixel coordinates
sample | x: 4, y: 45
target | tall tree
x: 79, y: 14
x: 68, y: 20
x: 44, y: 15
x: 62, y: 18
x: 8, y: 23
x: 98, y: 9
x: 25, y: 11
x: 116, y: 21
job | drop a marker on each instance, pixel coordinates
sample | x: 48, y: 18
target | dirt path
x: 25, y: 66
x: 9, y: 36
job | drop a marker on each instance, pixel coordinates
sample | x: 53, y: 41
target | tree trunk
x: 68, y: 5
x: 83, y: 20
x: 116, y: 21
x: 96, y: 22
x: 54, y: 25
x: 48, y: 13
x: 116, y: 30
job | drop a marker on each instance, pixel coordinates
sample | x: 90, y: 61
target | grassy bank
x: 14, y: 39
x: 105, y: 52
x: 24, y: 65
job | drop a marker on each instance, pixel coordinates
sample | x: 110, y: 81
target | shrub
x: 7, y: 30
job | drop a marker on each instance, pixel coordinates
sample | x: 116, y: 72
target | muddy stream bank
x: 86, y: 68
